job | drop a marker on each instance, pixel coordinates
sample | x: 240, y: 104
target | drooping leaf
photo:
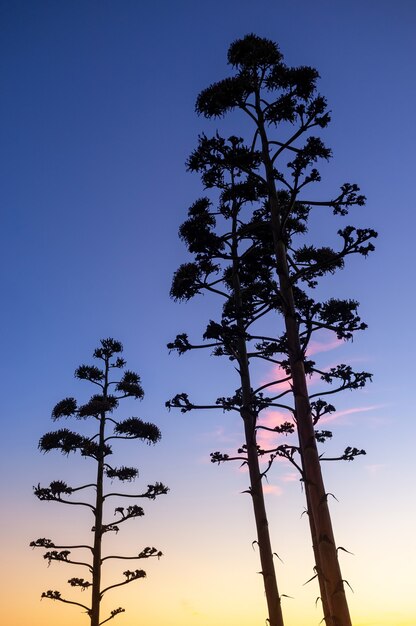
x: 138, y: 429
x: 64, y: 408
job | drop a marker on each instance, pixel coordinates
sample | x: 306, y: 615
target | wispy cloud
x: 375, y: 469
x: 327, y: 343
x: 220, y: 434
x: 339, y: 414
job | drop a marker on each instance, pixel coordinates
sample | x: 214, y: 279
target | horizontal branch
x: 77, y: 504
x: 272, y: 383
x: 55, y: 595
x: 41, y: 543
x: 62, y: 557
x: 130, y: 576
x: 125, y: 495
x: 113, y: 614
x: 147, y: 553
x: 329, y: 392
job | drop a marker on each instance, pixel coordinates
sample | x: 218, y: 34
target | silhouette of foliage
x: 253, y: 250
x: 97, y: 447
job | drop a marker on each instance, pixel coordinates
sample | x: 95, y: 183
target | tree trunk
x: 322, y: 587
x: 98, y: 532
x: 262, y: 526
x: 256, y: 487
x: 96, y: 567
x: 318, y: 510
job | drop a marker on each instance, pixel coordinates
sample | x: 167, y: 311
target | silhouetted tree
x: 243, y: 292
x: 236, y: 263
x: 283, y: 106
x: 99, y: 409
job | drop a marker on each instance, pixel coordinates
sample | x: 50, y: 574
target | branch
x: 69, y: 502
x: 220, y: 457
x: 56, y: 489
x: 283, y: 146
x: 62, y: 557
x: 181, y: 401
x: 217, y: 291
x: 327, y: 393
x: 55, y: 595
x: 158, y: 489
x: 47, y: 543
x: 146, y: 553
x: 346, y: 198
x: 84, y: 487
x: 258, y: 355
x: 79, y: 582
x: 113, y: 614
x: 280, y: 395
x: 131, y: 512
x: 130, y: 576
x: 348, y: 455
x: 286, y: 452
x: 274, y: 382
x: 287, y: 428
x: 282, y: 406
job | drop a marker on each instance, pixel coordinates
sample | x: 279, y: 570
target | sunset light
x: 207, y: 216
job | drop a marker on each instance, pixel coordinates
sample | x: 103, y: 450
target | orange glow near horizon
x: 207, y: 577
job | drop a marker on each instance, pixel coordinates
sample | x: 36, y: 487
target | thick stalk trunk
x: 262, y: 526
x: 96, y: 567
x: 256, y: 487
x: 329, y: 571
x: 328, y: 566
x: 98, y: 532
x: 322, y: 587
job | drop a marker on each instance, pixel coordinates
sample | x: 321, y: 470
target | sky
x: 96, y: 122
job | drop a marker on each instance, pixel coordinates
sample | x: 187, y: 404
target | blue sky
x: 96, y: 122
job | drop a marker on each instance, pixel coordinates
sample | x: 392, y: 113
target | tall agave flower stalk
x: 279, y: 160
x: 221, y: 266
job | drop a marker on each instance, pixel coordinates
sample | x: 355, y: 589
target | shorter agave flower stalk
x: 99, y: 410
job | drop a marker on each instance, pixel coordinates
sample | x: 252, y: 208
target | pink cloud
x: 273, y: 489
x: 290, y: 477
x: 277, y: 373
x: 327, y: 341
x: 330, y: 343
x: 273, y: 418
x: 324, y: 341
x: 265, y: 438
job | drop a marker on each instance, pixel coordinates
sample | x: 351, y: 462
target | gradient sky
x: 96, y: 121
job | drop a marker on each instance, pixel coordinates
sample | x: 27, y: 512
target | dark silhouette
x: 97, y: 447
x: 242, y: 277
x: 267, y: 174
